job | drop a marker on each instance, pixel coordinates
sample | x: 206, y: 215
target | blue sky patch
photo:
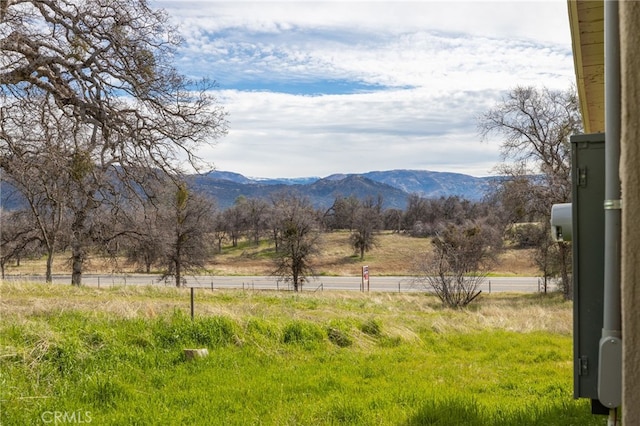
x: 307, y: 88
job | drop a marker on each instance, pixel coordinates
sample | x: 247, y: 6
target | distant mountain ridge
x: 394, y: 186
x: 430, y: 184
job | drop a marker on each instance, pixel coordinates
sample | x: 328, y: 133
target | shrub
x: 527, y: 235
x: 339, y: 337
x: 302, y: 333
x: 371, y: 327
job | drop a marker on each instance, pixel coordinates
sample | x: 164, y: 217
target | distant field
x: 393, y: 255
x: 115, y: 356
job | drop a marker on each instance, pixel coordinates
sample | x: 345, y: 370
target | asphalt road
x: 386, y: 284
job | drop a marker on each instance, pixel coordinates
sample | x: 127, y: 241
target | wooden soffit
x: 586, y: 19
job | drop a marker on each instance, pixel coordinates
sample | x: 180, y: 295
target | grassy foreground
x: 115, y: 356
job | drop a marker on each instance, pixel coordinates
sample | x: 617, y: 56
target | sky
x: 318, y: 88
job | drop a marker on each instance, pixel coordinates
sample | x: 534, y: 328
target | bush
x: 339, y: 337
x: 371, y: 327
x: 526, y: 235
x: 302, y: 333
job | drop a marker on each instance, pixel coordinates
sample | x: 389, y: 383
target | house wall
x: 630, y: 176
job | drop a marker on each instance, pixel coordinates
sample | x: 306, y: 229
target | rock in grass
x: 192, y: 354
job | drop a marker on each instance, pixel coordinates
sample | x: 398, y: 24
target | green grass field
x: 115, y: 357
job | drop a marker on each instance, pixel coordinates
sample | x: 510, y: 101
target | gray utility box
x: 588, y: 260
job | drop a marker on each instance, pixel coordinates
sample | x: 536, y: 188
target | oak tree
x: 366, y: 224
x: 37, y: 164
x: 299, y: 239
x: 534, y: 126
x: 18, y: 237
x: 103, y: 70
x: 186, y: 221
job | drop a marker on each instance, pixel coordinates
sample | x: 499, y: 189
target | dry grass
x: 393, y: 256
x: 514, y: 262
x: 402, y: 313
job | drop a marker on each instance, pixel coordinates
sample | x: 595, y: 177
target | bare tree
x: 416, y: 211
x: 18, y: 236
x: 459, y: 262
x: 35, y: 161
x: 392, y: 219
x: 535, y: 125
x: 146, y: 246
x: 256, y: 216
x: 423, y: 215
x: 367, y: 222
x: 342, y: 214
x: 235, y: 218
x: 273, y: 221
x: 103, y: 70
x: 516, y: 198
x: 299, y: 240
x: 219, y: 230
x: 186, y: 220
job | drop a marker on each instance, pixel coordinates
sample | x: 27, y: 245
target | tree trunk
x: 275, y: 239
x: 49, y: 271
x: 77, y: 261
x: 178, y: 273
x: 77, y: 245
x: 564, y: 271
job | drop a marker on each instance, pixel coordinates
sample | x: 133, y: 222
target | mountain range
x: 395, y: 186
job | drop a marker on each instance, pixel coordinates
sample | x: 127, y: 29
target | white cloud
x: 437, y: 65
x: 274, y: 134
x: 383, y: 43
x: 537, y: 20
